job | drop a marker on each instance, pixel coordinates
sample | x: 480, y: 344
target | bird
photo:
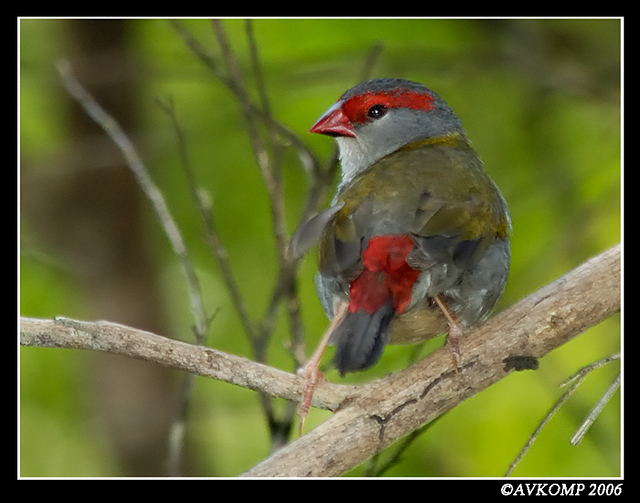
x: 415, y: 242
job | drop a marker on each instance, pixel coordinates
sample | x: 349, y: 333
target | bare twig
x: 199, y: 198
x: 203, y: 204
x: 574, y: 382
x: 309, y: 161
x: 263, y: 159
x: 595, y: 411
x: 133, y: 160
x: 198, y: 360
x: 200, y: 52
x: 257, y: 68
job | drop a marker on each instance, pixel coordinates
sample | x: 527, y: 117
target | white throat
x: 354, y: 158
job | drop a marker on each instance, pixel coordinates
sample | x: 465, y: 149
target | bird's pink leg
x: 455, y: 332
x: 311, y: 371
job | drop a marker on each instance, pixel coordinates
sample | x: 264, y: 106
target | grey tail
x: 360, y: 339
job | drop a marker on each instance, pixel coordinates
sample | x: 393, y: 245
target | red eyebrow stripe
x: 356, y: 107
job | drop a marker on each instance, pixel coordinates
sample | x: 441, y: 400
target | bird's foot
x: 313, y: 376
x: 455, y: 334
x: 453, y: 339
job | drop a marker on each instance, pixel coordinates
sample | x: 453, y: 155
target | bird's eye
x: 376, y: 111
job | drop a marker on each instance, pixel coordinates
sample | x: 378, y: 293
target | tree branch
x: 389, y: 408
x: 370, y: 417
x: 199, y: 360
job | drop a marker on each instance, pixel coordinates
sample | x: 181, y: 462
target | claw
x: 455, y: 333
x: 311, y: 372
x: 312, y: 376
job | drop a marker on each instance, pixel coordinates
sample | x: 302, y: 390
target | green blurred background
x: 540, y: 100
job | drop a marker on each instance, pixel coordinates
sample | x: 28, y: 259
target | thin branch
x: 309, y: 161
x: 595, y: 411
x: 198, y: 360
x: 574, y: 382
x: 168, y: 107
x: 275, y: 146
x: 204, y: 206
x: 587, y: 369
x: 257, y: 68
x: 370, y: 417
x: 134, y: 162
x: 272, y: 181
x: 200, y: 52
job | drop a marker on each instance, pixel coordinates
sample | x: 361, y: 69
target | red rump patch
x: 357, y: 106
x: 386, y: 275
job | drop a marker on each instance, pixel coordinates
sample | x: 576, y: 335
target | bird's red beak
x: 333, y: 123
